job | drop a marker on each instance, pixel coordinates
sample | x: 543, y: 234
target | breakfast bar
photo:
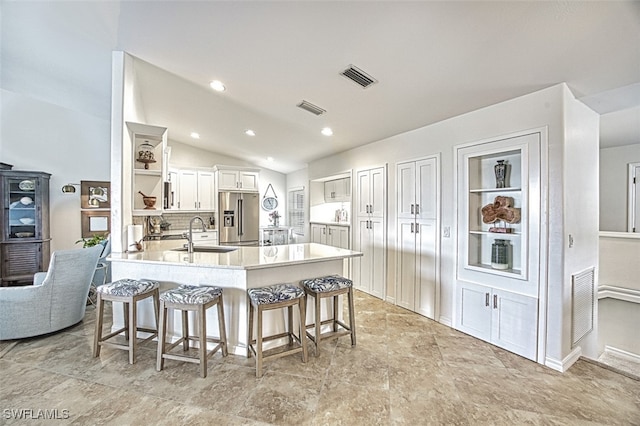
x: 235, y: 269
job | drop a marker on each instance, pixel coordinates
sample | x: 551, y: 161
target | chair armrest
x: 38, y: 278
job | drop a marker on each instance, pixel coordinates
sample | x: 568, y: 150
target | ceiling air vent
x: 358, y: 76
x: 313, y: 109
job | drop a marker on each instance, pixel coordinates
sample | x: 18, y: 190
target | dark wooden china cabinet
x: 25, y: 237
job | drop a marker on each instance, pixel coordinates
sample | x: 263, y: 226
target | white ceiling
x: 433, y: 60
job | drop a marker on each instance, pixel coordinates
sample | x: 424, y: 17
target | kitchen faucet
x: 190, y: 236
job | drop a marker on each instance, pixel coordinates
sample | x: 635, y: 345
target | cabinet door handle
x: 417, y: 229
x: 486, y: 299
x: 412, y: 228
x: 417, y: 208
x: 412, y: 209
x: 495, y: 301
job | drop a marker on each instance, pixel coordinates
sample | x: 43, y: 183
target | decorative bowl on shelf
x: 26, y: 200
x: 149, y: 202
x: 27, y: 221
x: 27, y: 185
x: 24, y: 234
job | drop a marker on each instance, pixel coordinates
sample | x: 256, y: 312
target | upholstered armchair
x: 56, y: 300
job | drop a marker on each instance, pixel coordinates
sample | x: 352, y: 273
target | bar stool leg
x: 222, y: 327
x: 250, y: 329
x: 352, y: 318
x: 290, y: 324
x: 99, y: 319
x: 259, y: 344
x: 203, y: 340
x: 335, y: 313
x: 125, y: 308
x: 133, y: 331
x: 185, y: 330
x: 318, y: 324
x: 303, y: 329
x: 156, y: 307
x: 162, y: 329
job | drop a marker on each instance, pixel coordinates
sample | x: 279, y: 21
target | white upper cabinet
x: 206, y: 190
x: 337, y: 190
x: 232, y: 178
x: 370, y: 187
x: 195, y: 190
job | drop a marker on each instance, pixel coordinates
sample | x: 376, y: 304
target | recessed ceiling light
x: 217, y: 86
x: 327, y: 131
x: 249, y: 132
x: 269, y: 158
x: 195, y: 135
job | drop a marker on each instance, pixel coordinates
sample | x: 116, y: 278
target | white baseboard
x: 391, y: 300
x: 567, y: 362
x: 445, y: 321
x: 622, y: 353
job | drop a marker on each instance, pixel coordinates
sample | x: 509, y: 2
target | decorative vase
x: 500, y: 170
x: 500, y: 254
x: 276, y: 222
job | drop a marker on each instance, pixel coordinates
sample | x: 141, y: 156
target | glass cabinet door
x: 24, y: 201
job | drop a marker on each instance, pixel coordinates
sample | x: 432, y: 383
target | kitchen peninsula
x: 235, y: 269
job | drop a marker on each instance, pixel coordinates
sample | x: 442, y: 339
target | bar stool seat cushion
x: 328, y: 283
x: 275, y: 293
x: 191, y: 294
x: 127, y: 287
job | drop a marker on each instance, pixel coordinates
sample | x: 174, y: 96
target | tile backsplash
x: 180, y: 221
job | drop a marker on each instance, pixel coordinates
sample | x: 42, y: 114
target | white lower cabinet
x: 369, y: 270
x: 417, y: 266
x: 331, y: 235
x: 503, y: 318
x: 318, y: 233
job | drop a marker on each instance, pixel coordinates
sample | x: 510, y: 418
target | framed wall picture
x: 95, y: 194
x: 95, y: 223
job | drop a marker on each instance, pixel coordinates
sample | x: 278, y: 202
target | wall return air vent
x: 358, y: 76
x: 313, y: 109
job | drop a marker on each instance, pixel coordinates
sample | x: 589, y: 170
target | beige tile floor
x: 405, y: 369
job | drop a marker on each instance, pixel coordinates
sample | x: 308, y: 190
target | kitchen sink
x: 208, y: 249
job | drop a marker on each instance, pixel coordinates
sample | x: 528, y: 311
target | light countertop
x: 330, y: 223
x: 160, y: 252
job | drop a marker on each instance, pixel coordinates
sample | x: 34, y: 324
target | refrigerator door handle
x: 240, y: 217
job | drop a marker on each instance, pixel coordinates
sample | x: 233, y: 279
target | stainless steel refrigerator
x: 238, y: 218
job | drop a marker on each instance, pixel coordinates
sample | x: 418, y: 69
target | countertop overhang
x: 162, y: 252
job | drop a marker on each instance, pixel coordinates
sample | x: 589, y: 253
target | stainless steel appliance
x: 238, y: 222
x: 168, y: 201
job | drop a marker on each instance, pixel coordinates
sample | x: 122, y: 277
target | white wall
x: 71, y: 145
x: 614, y: 185
x: 581, y: 199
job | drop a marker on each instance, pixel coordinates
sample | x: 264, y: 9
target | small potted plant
x: 93, y: 241
x: 274, y: 217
